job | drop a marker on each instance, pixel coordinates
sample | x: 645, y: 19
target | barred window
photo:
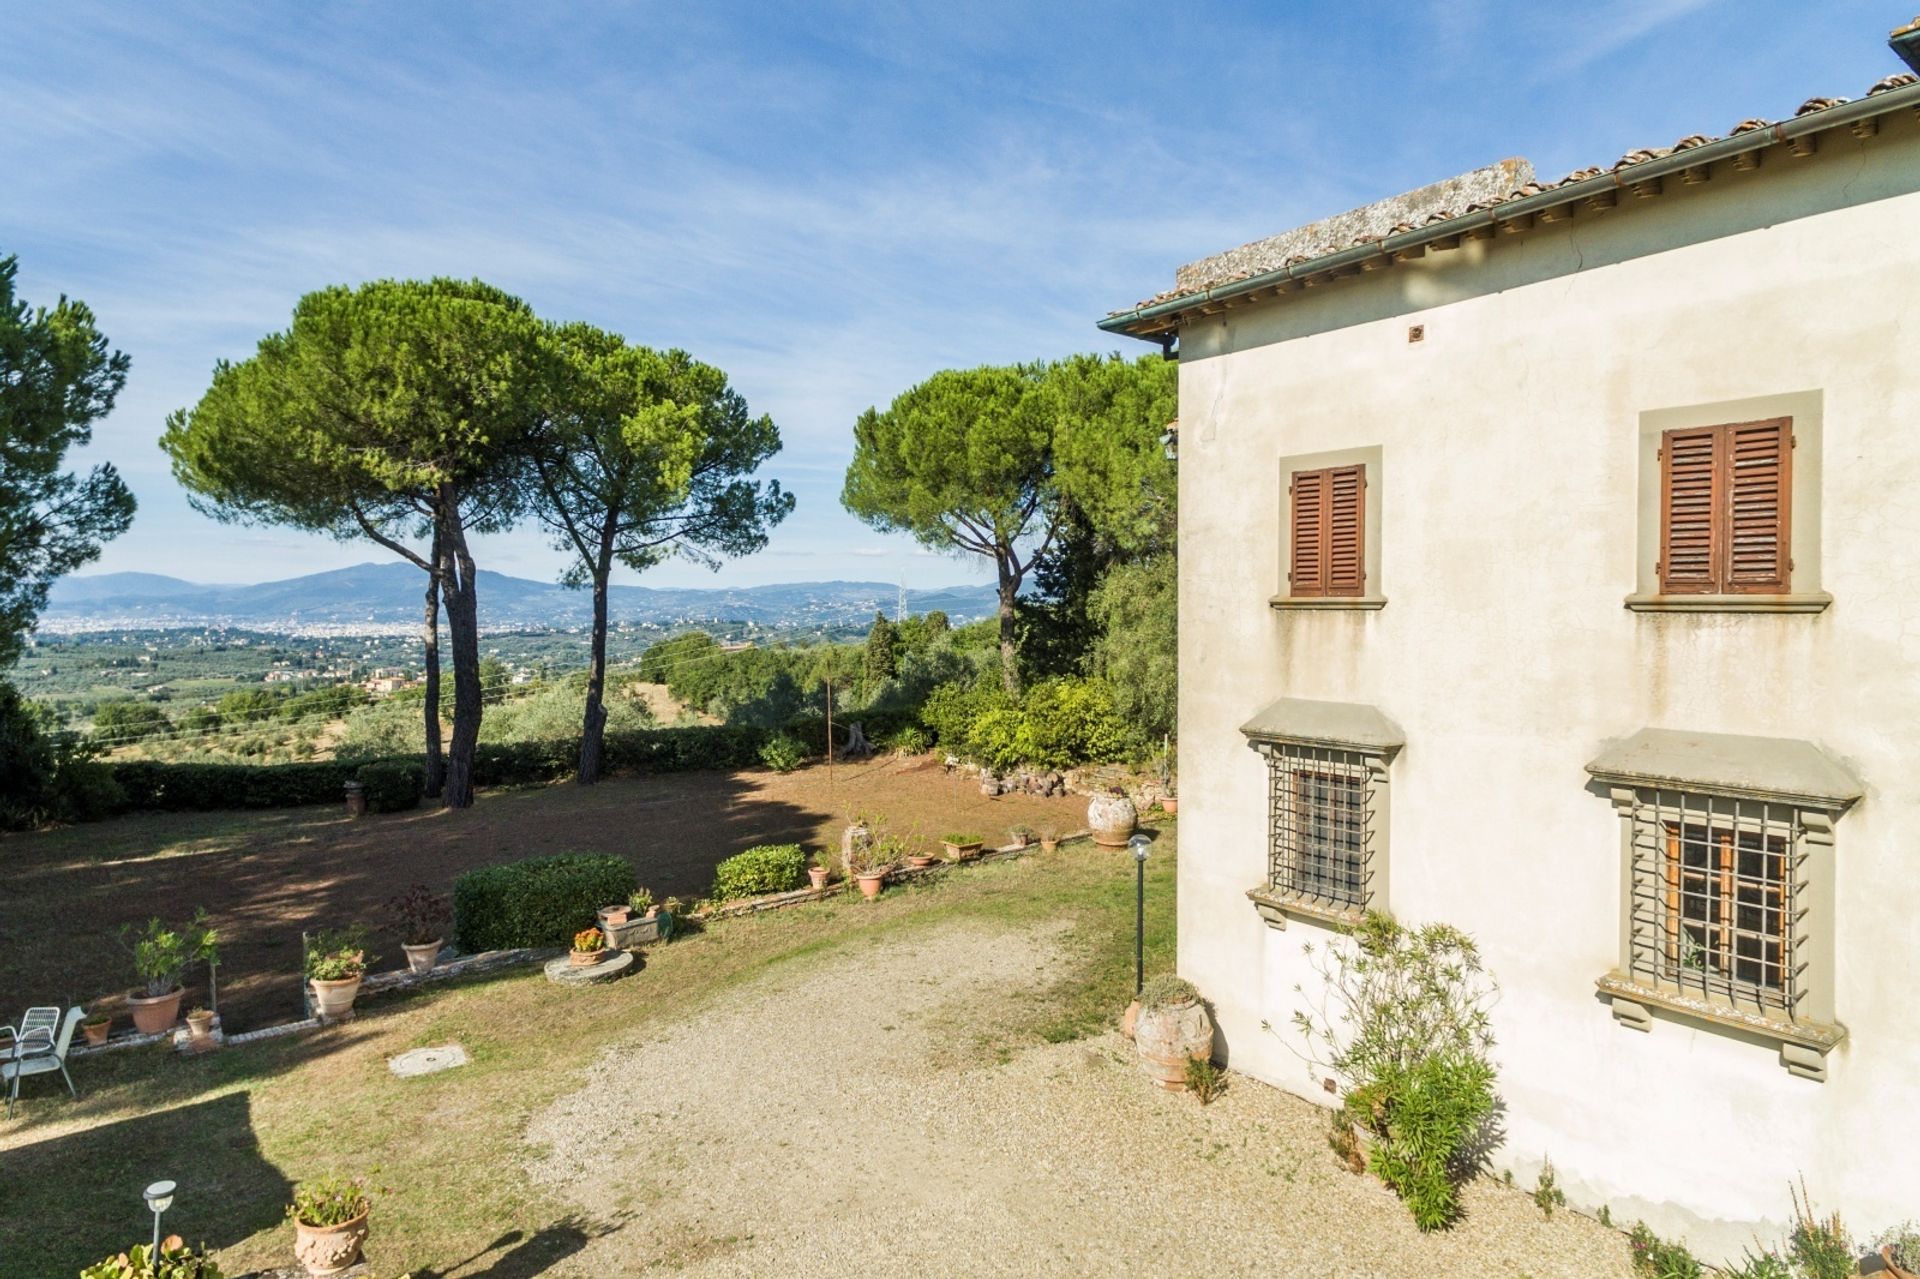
x: 1320, y: 811
x: 1718, y: 898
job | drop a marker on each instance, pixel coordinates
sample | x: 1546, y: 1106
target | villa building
x: 1550, y: 567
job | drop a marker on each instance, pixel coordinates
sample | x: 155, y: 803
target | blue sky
x: 829, y: 201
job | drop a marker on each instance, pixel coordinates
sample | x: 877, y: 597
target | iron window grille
x: 1321, y: 806
x: 1719, y: 898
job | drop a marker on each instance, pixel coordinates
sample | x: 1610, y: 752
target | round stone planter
x: 1168, y: 1036
x: 328, y: 1250
x: 422, y: 957
x: 333, y: 1000
x: 153, y: 1014
x: 1112, y: 819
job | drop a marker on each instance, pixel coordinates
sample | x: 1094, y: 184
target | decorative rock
x: 427, y: 1061
x: 564, y: 972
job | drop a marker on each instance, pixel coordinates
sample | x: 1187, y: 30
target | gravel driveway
x: 837, y: 1117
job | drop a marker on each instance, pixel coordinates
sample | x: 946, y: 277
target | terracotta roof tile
x: 1893, y: 82
x: 1820, y: 104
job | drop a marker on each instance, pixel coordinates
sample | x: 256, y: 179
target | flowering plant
x: 589, y: 939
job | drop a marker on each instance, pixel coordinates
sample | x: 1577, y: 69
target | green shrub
x: 1204, y: 1079
x: 1422, y: 1117
x: 768, y: 868
x: 539, y: 902
x: 128, y: 720
x: 1656, y: 1258
x: 908, y: 739
x: 1166, y: 990
x: 392, y: 785
x: 783, y: 752
x: 149, y: 786
x: 174, y: 1261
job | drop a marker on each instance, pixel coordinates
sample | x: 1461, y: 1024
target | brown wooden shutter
x: 1347, y: 531
x: 1307, y: 573
x: 1724, y: 498
x: 1759, y: 495
x: 1329, y: 533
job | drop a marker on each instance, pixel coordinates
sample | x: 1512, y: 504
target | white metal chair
x: 40, y: 1047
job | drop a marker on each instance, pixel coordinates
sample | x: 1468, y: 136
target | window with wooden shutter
x: 1329, y: 522
x: 1725, y: 498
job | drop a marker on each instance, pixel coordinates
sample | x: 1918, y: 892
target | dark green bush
x: 542, y: 901
x: 1422, y: 1116
x: 150, y: 785
x: 769, y: 868
x: 392, y: 785
x: 28, y: 759
x: 783, y: 752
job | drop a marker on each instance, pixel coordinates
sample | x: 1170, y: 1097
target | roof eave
x: 1149, y: 323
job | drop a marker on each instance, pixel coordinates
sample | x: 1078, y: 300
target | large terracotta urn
x: 328, y: 1250
x: 1168, y: 1035
x: 1111, y: 818
x: 333, y: 1000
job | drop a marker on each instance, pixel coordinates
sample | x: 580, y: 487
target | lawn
x: 237, y: 1127
x: 264, y: 877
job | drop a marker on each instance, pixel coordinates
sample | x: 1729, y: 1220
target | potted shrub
x: 818, y: 872
x: 329, y: 1218
x: 96, y: 1027
x: 589, y: 947
x: 1899, y: 1249
x: 200, y: 1024
x: 1112, y: 818
x: 1173, y: 1028
x: 1020, y: 836
x: 1049, y: 839
x: 336, y: 963
x: 913, y: 857
x: 961, y: 845
x: 423, y: 916
x: 161, y: 956
x: 1170, y: 803
x: 869, y: 865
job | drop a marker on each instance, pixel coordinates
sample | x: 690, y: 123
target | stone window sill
x: 1803, y: 1045
x: 1327, y: 603
x: 1809, y: 602
x: 1276, y: 907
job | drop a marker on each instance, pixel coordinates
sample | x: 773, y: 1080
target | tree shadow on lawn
x: 74, y: 1199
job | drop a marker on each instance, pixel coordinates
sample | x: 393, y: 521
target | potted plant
x: 1899, y: 1249
x: 96, y: 1027
x: 869, y: 865
x: 639, y: 902
x: 818, y: 872
x: 161, y: 956
x: 200, y: 1024
x: 1170, y: 803
x: 1020, y: 836
x: 423, y: 916
x: 335, y: 965
x: 1049, y: 839
x: 329, y: 1218
x: 961, y: 845
x: 589, y: 947
x: 918, y: 859
x: 1172, y: 1029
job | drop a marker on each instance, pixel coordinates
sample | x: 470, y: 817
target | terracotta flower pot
x: 585, y: 958
x: 920, y: 861
x: 1167, y: 1037
x: 1886, y: 1259
x: 200, y: 1024
x: 153, y: 1014
x: 96, y: 1031
x: 1169, y: 805
x: 1048, y: 845
x: 1128, y: 1018
x: 333, y: 1000
x: 818, y: 874
x: 615, y: 915
x: 961, y: 852
x: 1112, y: 819
x: 421, y: 956
x: 327, y: 1250
x: 870, y: 883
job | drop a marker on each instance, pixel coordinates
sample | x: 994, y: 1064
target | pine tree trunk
x: 594, y: 730
x: 430, y: 642
x: 457, y: 587
x: 1009, y: 590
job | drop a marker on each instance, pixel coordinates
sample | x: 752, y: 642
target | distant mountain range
x: 381, y: 596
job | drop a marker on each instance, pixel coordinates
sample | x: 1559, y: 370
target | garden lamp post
x: 159, y: 1197
x: 1139, y: 845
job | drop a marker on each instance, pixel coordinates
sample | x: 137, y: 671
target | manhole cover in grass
x: 426, y: 1061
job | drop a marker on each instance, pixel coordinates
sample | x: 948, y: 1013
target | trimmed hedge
x: 393, y: 785
x: 542, y: 901
x: 767, y: 868
x: 176, y: 788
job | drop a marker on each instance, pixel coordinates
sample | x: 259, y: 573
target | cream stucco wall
x: 1509, y: 539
